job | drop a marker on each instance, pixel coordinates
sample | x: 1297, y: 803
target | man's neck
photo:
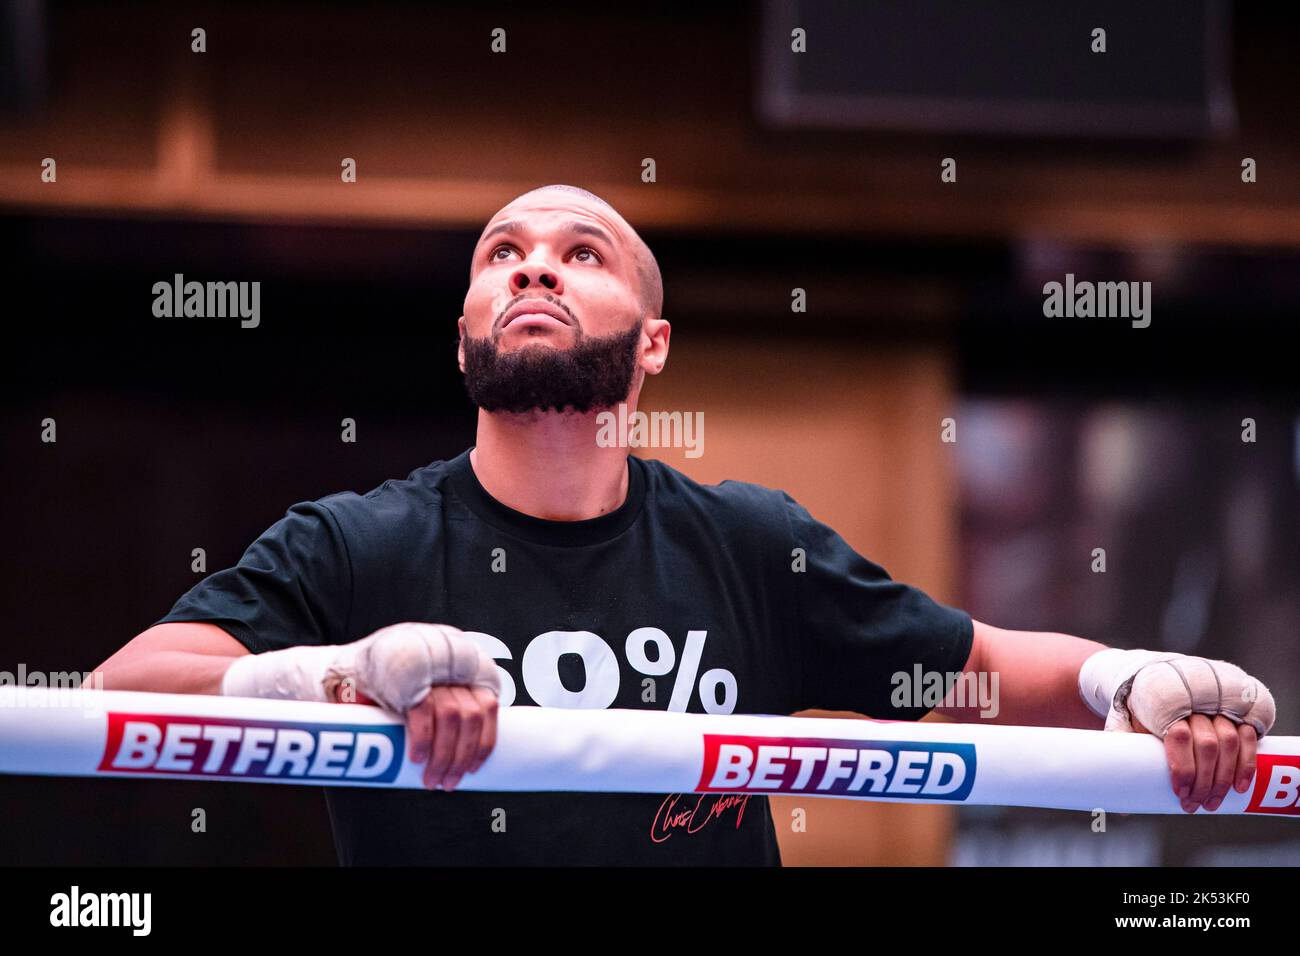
x: 549, y: 465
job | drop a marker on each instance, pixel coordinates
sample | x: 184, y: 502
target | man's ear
x: 654, y: 357
x: 460, y: 346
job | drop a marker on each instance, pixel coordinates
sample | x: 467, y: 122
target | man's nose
x: 535, y: 275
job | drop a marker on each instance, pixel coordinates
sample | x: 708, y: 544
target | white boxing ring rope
x: 90, y: 733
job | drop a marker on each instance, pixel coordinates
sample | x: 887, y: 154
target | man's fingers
x: 470, y: 730
x: 488, y: 738
x: 1178, y: 753
x: 420, y: 721
x: 419, y: 730
x: 1249, y: 740
x: 446, y: 729
x: 1225, y: 766
x: 456, y: 726
x: 1205, y: 745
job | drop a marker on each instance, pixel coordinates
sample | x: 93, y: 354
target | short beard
x: 596, y: 372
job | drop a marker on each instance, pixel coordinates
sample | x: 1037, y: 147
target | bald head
x: 647, y: 267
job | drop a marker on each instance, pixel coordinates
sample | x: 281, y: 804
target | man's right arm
x: 173, y: 658
x: 287, y: 601
x: 441, y: 684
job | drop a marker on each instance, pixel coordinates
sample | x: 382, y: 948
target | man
x: 540, y: 566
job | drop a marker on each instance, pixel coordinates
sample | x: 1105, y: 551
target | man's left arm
x: 1210, y: 714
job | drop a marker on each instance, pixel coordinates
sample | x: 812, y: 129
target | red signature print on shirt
x: 678, y: 815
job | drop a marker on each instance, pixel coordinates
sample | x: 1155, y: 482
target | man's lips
x: 536, y: 311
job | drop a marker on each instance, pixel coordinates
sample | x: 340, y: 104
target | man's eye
x: 494, y: 255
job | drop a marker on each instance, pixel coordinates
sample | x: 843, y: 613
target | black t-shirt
x: 781, y: 613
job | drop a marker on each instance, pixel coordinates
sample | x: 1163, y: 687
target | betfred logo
x: 223, y: 747
x: 884, y: 768
x: 1277, y: 785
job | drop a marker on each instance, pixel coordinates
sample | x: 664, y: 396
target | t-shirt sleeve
x: 292, y: 586
x: 857, y: 627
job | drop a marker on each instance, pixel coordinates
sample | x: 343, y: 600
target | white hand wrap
x: 395, y: 667
x: 1159, y: 689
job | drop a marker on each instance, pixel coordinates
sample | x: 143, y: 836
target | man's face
x: 553, y: 316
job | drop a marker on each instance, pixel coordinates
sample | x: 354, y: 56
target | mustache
x: 501, y: 315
